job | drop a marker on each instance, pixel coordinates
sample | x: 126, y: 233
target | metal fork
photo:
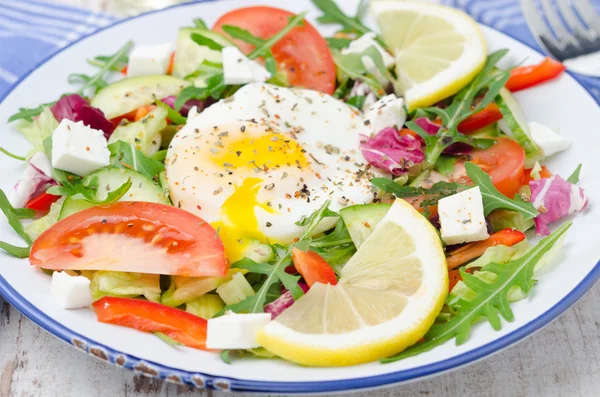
x: 567, y: 30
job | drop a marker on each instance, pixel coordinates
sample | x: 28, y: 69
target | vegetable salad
x: 199, y: 190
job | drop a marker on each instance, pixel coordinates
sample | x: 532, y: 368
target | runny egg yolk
x: 238, y: 222
x: 271, y: 150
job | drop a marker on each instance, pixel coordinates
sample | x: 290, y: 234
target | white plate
x: 562, y: 104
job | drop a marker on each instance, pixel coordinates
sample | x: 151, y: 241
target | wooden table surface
x: 561, y: 360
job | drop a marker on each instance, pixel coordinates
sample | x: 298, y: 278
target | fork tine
x: 588, y: 13
x: 539, y: 28
x: 574, y: 23
x: 561, y: 33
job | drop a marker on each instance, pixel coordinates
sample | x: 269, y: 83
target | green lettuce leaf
x: 125, y: 285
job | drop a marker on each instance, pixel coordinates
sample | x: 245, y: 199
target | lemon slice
x: 438, y: 49
x: 388, y: 296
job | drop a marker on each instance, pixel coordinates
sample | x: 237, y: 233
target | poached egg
x: 257, y: 162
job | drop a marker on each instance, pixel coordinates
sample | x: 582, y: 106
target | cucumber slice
x: 143, y: 134
x: 514, y: 123
x: 142, y: 189
x: 127, y: 95
x: 71, y: 206
x: 188, y: 54
x: 258, y: 252
x: 235, y: 290
x: 361, y: 219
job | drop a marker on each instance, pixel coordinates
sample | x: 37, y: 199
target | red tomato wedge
x: 303, y: 53
x: 313, y: 268
x: 42, y: 202
x: 528, y: 76
x: 504, y: 162
x: 148, y: 316
x: 132, y: 237
x: 483, y: 118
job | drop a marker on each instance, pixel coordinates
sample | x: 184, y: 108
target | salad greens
x: 332, y: 14
x: 276, y: 272
x: 12, y: 155
x: 490, y: 80
x: 13, y: 216
x: 493, y: 199
x: 491, y: 300
x: 125, y: 155
x: 93, y: 82
x: 574, y: 178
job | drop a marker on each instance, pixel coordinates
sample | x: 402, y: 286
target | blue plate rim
x: 203, y: 380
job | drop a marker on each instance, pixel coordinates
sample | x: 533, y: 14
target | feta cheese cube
x: 71, y: 292
x: 238, y: 69
x: 235, y: 331
x: 149, y: 60
x: 387, y: 112
x: 462, y: 217
x: 78, y: 148
x: 548, y: 141
x: 364, y: 42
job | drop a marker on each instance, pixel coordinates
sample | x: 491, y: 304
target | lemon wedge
x: 388, y: 296
x: 438, y: 49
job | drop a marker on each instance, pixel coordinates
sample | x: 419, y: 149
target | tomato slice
x: 528, y: 76
x: 504, y: 162
x: 132, y: 237
x: 42, y: 202
x: 483, y: 118
x: 544, y: 173
x: 303, y: 53
x: 149, y: 316
x: 313, y: 268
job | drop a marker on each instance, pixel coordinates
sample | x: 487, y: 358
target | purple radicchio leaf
x: 391, y: 152
x: 555, y: 198
x: 284, y: 301
x: 75, y: 108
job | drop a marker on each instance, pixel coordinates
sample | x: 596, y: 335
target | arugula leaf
x: 225, y: 356
x: 167, y: 339
x: 574, y: 178
x: 73, y: 186
x: 206, y: 42
x: 242, y: 34
x: 276, y: 272
x: 89, y: 82
x: 332, y: 14
x: 125, y: 155
x: 294, y: 21
x: 491, y: 299
x: 215, y: 87
x: 357, y: 101
x: 336, y: 247
x: 489, y: 80
x: 13, y: 217
x: 351, y: 66
x: 29, y: 114
x: 338, y: 43
x: 76, y: 78
x: 493, y: 199
x: 445, y: 165
x: 432, y: 195
x: 172, y: 114
x: 9, y: 154
x: 199, y: 23
x: 101, y: 60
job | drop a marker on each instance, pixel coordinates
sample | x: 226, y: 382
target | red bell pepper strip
x: 42, y: 202
x: 148, y: 316
x: 527, y: 76
x: 483, y: 118
x: 508, y: 237
x: 313, y: 268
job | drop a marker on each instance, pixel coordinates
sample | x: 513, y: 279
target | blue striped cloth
x: 32, y: 29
